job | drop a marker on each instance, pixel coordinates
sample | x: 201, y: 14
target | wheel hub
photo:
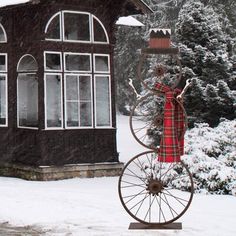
x: 154, y: 186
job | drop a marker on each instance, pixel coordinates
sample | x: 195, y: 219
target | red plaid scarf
x: 172, y: 141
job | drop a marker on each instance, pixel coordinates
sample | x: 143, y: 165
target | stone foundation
x: 47, y: 173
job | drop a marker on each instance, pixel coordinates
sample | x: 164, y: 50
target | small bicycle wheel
x: 154, y: 192
x: 146, y: 120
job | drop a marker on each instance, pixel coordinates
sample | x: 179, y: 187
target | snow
x: 91, y: 207
x: 129, y: 21
x: 11, y: 2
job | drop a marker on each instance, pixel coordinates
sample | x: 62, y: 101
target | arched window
x: 3, y: 35
x: 27, y: 92
x: 77, y: 85
x: 72, y: 26
x: 3, y: 89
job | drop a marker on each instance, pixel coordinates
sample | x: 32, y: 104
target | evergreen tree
x: 204, y: 49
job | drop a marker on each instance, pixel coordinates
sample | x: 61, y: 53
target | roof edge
x: 142, y: 6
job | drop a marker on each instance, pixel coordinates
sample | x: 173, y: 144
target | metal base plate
x: 173, y: 226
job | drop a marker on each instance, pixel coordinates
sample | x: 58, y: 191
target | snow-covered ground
x: 91, y: 207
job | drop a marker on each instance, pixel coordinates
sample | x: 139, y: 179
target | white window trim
x: 23, y: 71
x: 75, y: 53
x: 65, y: 102
x: 6, y: 88
x: 45, y: 103
x: 104, y: 29
x: 45, y: 66
x: 17, y: 109
x: 94, y: 65
x: 95, y: 102
x: 6, y: 60
x: 5, y: 34
x: 63, y: 27
x: 60, y: 23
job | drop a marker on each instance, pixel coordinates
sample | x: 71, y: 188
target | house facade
x: 57, y: 85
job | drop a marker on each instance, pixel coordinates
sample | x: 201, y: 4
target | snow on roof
x: 4, y: 3
x: 165, y: 31
x: 129, y: 20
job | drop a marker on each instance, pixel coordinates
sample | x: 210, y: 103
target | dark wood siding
x: 25, y: 26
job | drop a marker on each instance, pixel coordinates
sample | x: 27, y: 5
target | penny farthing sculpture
x: 156, y: 187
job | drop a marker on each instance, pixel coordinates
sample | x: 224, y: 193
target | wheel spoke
x: 141, y: 201
x: 135, y: 175
x: 134, y: 196
x: 146, y: 192
x: 132, y: 184
x: 176, y: 198
x: 170, y: 208
x: 160, y: 209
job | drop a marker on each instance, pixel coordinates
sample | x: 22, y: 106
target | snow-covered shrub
x: 210, y: 154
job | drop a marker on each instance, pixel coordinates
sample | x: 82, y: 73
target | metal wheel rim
x: 140, y: 77
x: 131, y: 120
x: 155, y: 223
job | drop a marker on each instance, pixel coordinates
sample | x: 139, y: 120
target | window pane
x: 85, y: 101
x: 102, y: 101
x: 3, y: 65
x: 77, y: 62
x: 3, y: 104
x: 27, y: 63
x: 2, y: 35
x: 76, y: 27
x: 27, y: 100
x: 78, y: 101
x: 53, y: 101
x: 101, y: 64
x: 85, y: 114
x: 53, y: 61
x: 99, y: 34
x: 53, y: 30
x: 72, y: 87
x: 72, y: 114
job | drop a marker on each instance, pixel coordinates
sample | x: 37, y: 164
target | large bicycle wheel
x: 154, y: 192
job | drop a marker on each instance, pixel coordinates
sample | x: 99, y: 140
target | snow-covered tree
x: 204, y: 46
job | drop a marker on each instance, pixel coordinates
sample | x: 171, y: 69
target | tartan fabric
x: 172, y: 140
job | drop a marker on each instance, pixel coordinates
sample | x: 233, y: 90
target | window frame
x: 17, y: 107
x: 62, y: 28
x: 93, y: 32
x: 91, y: 97
x: 5, y: 34
x: 93, y: 74
x: 45, y: 61
x: 95, y: 102
x: 6, y: 97
x: 6, y: 61
x: 32, y: 72
x: 45, y: 101
x: 5, y: 74
x: 108, y: 60
x: 77, y: 53
x: 24, y: 71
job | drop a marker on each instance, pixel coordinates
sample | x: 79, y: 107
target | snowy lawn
x: 86, y: 207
